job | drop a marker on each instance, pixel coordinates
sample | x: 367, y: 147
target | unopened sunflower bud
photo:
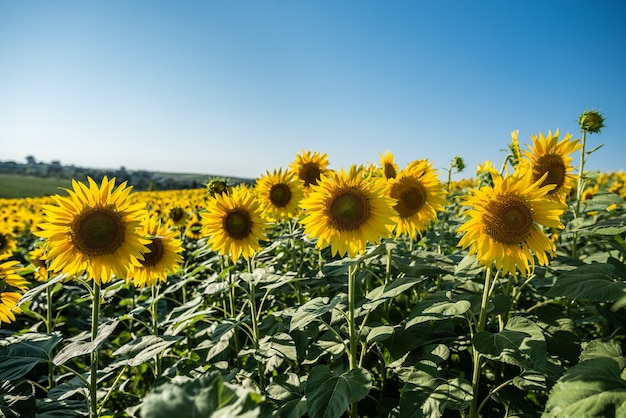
x: 218, y: 186
x: 458, y: 163
x: 591, y: 121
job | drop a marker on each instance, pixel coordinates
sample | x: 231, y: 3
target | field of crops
x: 370, y: 291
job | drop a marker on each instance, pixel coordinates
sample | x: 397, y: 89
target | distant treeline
x: 140, y: 179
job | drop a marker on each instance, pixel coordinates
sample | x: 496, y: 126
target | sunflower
x: 505, y: 225
x: 8, y: 241
x: 234, y: 224
x: 193, y: 229
x: 280, y: 194
x: 37, y: 257
x: 10, y: 283
x: 348, y: 210
x: 309, y: 167
x: 94, y: 230
x: 551, y: 156
x: 387, y: 165
x: 162, y: 258
x: 419, y: 195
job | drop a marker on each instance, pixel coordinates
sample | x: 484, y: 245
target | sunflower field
x: 368, y: 291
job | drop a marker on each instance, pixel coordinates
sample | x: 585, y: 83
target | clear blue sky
x: 237, y: 87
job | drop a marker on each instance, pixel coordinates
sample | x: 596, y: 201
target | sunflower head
x: 388, y: 166
x: 310, y: 166
x: 419, y: 196
x: 234, y: 224
x: 94, y: 230
x: 591, y: 121
x: 347, y: 210
x: 279, y: 193
x: 11, y: 287
x: 549, y: 159
x: 514, y: 150
x: 506, y: 220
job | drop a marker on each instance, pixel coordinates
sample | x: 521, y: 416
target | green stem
x: 95, y: 318
x: 154, y: 312
x: 352, y: 269
x: 579, y: 192
x: 482, y: 320
x: 255, y: 333
x: 49, y: 330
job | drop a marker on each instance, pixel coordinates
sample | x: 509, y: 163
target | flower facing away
x: 419, y: 196
x: 279, y: 194
x: 310, y: 166
x: 37, y: 258
x: 234, y: 224
x: 550, y: 157
x: 94, y: 230
x: 388, y: 166
x: 11, y: 283
x: 505, y: 224
x: 163, y: 256
x: 348, y: 210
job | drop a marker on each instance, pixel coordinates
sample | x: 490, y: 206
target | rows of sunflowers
x: 368, y: 291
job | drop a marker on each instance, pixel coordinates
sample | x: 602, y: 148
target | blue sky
x: 237, y: 87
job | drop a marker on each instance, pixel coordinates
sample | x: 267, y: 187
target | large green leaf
x: 19, y: 354
x: 592, y: 388
x: 520, y: 343
x: 329, y: 394
x: 207, y: 396
x: 436, y: 307
x: 143, y: 349
x: 592, y: 282
x: 79, y: 348
x: 393, y: 289
x: 17, y: 399
x: 312, y: 310
x: 426, y: 394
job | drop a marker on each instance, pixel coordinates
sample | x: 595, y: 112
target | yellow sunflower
x: 94, y: 230
x: 162, y: 258
x: 551, y: 156
x: 387, y: 165
x: 193, y: 229
x: 279, y: 194
x: 347, y: 210
x: 310, y: 166
x: 10, y: 283
x: 8, y: 241
x: 419, y: 196
x: 234, y: 224
x: 505, y: 225
x: 37, y: 258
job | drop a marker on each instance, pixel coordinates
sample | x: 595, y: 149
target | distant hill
x: 32, y: 179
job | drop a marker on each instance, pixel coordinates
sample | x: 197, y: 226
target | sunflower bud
x: 458, y: 163
x: 218, y: 186
x: 591, y: 121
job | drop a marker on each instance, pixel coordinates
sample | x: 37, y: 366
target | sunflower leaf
x: 329, y: 395
x: 79, y: 348
x: 18, y: 355
x: 312, y: 310
x: 592, y: 282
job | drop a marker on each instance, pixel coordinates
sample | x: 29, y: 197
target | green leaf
x: 429, y: 395
x: 600, y: 348
x: 48, y: 408
x: 520, y: 343
x: 78, y: 348
x: 601, y: 201
x: 205, y: 396
x: 18, y: 355
x: 380, y: 333
x: 38, y: 289
x: 592, y: 282
x: 437, y: 307
x: 592, y: 388
x: 17, y: 399
x: 393, y: 289
x: 143, y: 349
x: 329, y: 395
x: 312, y: 310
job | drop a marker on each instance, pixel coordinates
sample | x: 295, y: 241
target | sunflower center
x: 176, y: 214
x: 390, y: 171
x: 238, y: 224
x: 280, y: 195
x: 155, y: 255
x: 348, y: 210
x: 97, y: 231
x: 554, y: 166
x: 4, y: 242
x: 508, y: 220
x: 310, y: 173
x: 411, y: 198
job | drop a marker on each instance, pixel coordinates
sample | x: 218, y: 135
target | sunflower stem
x: 482, y: 320
x: 49, y: 330
x: 154, y: 312
x: 255, y: 333
x: 579, y: 192
x: 95, y: 319
x: 352, y: 269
